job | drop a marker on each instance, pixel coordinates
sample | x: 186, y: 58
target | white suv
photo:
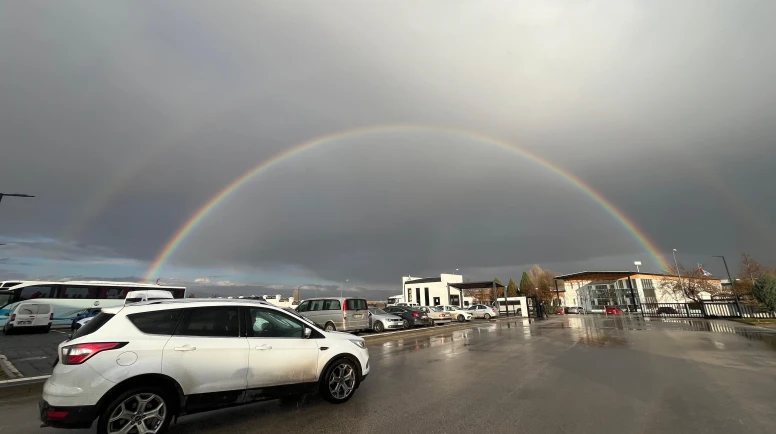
x: 135, y: 368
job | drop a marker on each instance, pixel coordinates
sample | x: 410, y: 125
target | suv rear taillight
x: 13, y: 317
x: 79, y: 353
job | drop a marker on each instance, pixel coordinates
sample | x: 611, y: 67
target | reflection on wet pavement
x: 567, y: 374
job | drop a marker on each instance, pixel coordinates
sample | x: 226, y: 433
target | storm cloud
x: 125, y: 118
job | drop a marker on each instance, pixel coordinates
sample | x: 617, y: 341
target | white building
x: 594, y: 290
x: 433, y: 291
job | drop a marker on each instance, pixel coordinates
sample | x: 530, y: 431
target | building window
x: 427, y: 298
x: 647, y: 284
x: 601, y: 287
x: 409, y: 295
x: 417, y: 295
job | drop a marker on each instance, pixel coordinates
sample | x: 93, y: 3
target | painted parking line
x: 27, y: 359
x: 39, y: 378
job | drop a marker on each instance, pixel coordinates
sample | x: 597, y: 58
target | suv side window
x: 161, y: 322
x: 264, y: 323
x: 217, y: 321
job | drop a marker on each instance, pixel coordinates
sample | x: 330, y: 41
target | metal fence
x: 712, y: 309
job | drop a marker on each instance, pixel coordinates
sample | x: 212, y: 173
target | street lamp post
x: 679, y: 275
x: 732, y: 284
x: 13, y: 195
x: 343, y: 286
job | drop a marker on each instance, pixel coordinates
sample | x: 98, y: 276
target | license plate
x: 24, y: 322
x: 358, y: 316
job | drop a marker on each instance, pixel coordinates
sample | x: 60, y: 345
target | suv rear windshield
x: 93, y: 325
x: 355, y: 304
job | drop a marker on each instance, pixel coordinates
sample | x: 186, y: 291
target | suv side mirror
x: 308, y: 332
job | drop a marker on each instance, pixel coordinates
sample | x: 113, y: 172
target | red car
x: 613, y: 310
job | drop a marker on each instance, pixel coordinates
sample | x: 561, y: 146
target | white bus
x: 68, y: 299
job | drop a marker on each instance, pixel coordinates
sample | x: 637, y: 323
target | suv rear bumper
x: 73, y: 417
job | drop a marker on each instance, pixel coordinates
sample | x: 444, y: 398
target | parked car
x: 666, y: 310
x: 437, y: 314
x: 86, y: 313
x: 29, y: 315
x: 574, y: 310
x: 459, y: 314
x: 380, y: 320
x: 483, y: 311
x: 346, y: 314
x: 112, y: 368
x: 613, y: 310
x: 412, y: 316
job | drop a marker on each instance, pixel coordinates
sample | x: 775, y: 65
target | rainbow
x: 180, y: 235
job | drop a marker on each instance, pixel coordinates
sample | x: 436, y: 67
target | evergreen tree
x: 526, y: 285
x: 512, y: 288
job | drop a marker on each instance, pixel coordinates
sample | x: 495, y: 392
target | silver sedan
x: 380, y: 320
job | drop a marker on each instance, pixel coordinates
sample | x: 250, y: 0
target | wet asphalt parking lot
x: 580, y: 374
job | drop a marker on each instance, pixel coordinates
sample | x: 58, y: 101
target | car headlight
x: 359, y: 343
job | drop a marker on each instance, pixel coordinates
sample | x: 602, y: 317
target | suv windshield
x: 5, y: 298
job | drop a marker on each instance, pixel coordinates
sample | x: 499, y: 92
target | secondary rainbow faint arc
x: 180, y: 235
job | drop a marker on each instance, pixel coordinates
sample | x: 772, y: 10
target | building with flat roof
x: 433, y: 291
x: 594, y: 290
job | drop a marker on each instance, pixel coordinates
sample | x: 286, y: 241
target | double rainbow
x: 186, y: 229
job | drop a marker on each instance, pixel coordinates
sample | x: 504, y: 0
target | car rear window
x: 161, y: 322
x: 93, y: 325
x: 355, y: 304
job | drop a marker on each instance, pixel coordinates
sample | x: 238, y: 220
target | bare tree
x: 689, y: 286
x: 480, y: 295
x: 750, y: 270
x: 543, y: 281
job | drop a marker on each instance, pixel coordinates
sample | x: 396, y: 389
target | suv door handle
x: 264, y: 347
x: 185, y: 348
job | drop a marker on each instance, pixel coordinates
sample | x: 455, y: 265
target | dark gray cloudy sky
x: 123, y: 118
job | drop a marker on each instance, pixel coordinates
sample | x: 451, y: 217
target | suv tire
x: 339, y: 382
x: 136, y: 402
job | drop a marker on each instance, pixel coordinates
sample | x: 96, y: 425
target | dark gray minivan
x: 345, y: 314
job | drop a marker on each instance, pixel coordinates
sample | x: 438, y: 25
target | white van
x: 30, y: 315
x: 147, y: 295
